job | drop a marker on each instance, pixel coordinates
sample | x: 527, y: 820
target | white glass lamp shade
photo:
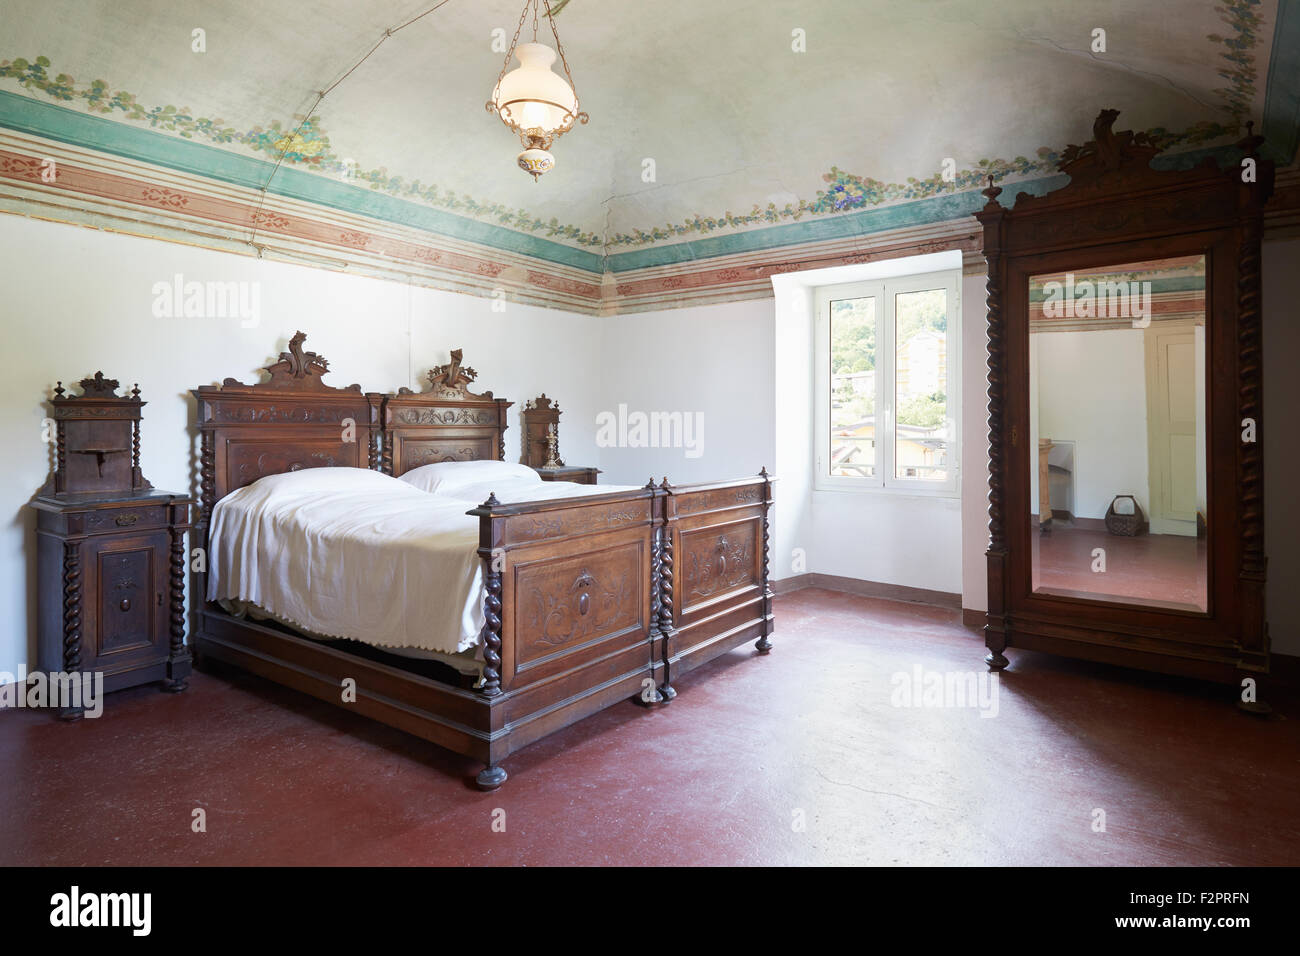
x: 531, y: 96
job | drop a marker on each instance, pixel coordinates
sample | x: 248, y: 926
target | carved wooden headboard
x: 447, y: 422
x: 290, y: 422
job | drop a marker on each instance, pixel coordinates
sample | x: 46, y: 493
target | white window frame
x: 886, y: 368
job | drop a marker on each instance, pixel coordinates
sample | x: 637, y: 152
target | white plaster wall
x: 711, y: 362
x: 1091, y: 389
x: 792, y: 415
x: 76, y: 301
x: 888, y: 538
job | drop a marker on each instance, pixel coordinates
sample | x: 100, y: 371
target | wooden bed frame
x: 588, y: 601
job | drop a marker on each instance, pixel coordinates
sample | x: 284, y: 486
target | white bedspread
x: 347, y: 552
x: 512, y: 491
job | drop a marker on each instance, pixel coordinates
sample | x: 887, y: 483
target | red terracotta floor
x: 1157, y: 570
x: 718, y: 777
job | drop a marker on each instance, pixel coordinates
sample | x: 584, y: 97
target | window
x: 887, y: 385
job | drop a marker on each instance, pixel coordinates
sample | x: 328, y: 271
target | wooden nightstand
x: 577, y: 473
x: 110, y: 550
x: 111, y: 579
x: 540, y: 419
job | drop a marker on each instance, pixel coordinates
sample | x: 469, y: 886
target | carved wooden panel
x: 126, y: 587
x: 414, y: 452
x: 716, y: 560
x: 444, y: 416
x: 720, y: 498
x: 249, y: 460
x: 1104, y: 218
x: 578, y: 520
x: 567, y: 603
x: 235, y: 413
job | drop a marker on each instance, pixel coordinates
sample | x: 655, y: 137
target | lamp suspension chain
x: 320, y: 95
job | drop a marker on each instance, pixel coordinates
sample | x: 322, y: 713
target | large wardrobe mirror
x: 1126, y: 479
x: 1118, y: 425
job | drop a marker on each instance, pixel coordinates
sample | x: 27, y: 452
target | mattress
x: 356, y: 554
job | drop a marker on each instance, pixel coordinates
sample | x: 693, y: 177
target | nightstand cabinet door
x: 126, y: 585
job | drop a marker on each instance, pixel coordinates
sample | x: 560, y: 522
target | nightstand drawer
x: 126, y: 519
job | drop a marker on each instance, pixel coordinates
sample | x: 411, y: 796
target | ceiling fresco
x: 800, y: 117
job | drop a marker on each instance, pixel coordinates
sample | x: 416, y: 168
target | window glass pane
x: 921, y: 439
x: 853, y: 388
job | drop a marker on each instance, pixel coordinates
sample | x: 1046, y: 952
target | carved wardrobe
x: 1126, y: 500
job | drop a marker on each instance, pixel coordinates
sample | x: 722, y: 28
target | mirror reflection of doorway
x: 1117, y: 412
x: 1175, y: 358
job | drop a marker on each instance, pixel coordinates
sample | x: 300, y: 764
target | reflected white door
x: 1172, y: 389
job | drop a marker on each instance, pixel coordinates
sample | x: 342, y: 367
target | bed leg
x: 490, y: 777
x: 650, y: 696
x: 996, y: 660
x: 763, y: 645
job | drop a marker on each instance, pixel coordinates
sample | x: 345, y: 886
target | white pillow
x: 450, y: 477
x: 328, y: 479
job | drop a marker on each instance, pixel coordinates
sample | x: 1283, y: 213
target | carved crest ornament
x: 451, y: 381
x: 297, y: 369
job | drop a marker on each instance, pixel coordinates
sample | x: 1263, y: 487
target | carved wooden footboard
x: 715, y: 584
x: 572, y: 612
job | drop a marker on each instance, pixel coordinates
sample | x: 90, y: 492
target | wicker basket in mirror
x: 1125, y: 517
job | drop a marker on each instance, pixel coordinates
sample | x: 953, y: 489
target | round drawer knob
x: 126, y: 604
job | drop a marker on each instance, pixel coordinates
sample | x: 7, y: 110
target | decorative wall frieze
x: 81, y: 186
x: 56, y: 181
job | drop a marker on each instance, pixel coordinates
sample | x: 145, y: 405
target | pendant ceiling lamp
x: 534, y: 101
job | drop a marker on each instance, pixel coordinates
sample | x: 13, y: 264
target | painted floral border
x: 308, y: 145
x: 846, y: 191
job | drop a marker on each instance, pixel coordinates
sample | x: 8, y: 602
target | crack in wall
x: 1112, y: 62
